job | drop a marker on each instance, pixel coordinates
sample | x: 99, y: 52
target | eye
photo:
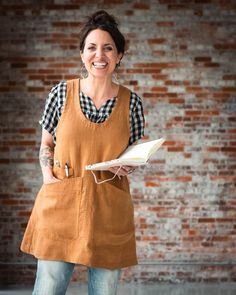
x: 108, y: 48
x: 91, y: 48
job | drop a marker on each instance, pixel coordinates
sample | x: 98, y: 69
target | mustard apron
x: 76, y: 220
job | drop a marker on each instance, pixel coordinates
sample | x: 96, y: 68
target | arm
x: 137, y: 123
x: 46, y: 155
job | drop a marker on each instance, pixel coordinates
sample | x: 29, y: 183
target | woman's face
x: 100, y: 55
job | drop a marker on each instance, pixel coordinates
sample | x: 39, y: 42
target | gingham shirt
x: 56, y: 99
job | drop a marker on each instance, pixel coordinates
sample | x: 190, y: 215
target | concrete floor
x: 150, y: 289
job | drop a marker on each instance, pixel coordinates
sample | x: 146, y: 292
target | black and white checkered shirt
x: 56, y: 99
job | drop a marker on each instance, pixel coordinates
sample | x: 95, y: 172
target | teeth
x: 99, y: 65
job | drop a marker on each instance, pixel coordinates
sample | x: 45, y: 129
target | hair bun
x: 102, y: 17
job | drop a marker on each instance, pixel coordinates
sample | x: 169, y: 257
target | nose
x: 99, y: 52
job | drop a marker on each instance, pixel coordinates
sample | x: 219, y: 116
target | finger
x: 112, y: 169
x: 116, y: 169
x: 56, y: 179
x: 120, y: 171
x: 123, y: 172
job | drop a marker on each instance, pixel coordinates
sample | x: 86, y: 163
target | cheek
x: 114, y: 58
x: 87, y: 55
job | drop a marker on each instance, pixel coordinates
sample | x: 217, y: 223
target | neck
x: 99, y: 89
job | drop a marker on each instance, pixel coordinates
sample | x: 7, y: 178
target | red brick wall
x: 181, y: 61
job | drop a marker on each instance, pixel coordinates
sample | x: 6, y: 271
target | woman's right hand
x: 51, y: 179
x: 46, y: 157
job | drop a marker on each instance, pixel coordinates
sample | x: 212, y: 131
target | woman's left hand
x: 123, y: 171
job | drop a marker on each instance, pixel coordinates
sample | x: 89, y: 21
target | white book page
x: 133, y: 156
x: 142, y: 151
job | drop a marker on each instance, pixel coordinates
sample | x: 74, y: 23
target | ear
x: 82, y: 56
x: 119, y: 57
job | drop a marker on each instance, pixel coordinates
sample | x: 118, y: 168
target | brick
x: 10, y: 202
x: 134, y: 71
x: 27, y: 130
x: 159, y: 77
x: 219, y: 238
x: 206, y: 220
x: 213, y: 149
x: 165, y: 24
x: 142, y: 6
x: 194, y: 89
x: 229, y: 149
x: 203, y: 1
x: 151, y: 184
x: 176, y: 101
x: 46, y: 71
x: 156, y: 41
x: 193, y: 113
x: 159, y: 89
x: 177, y: 6
x: 175, y: 149
x: 129, y: 12
x: 24, y: 213
x: 229, y: 46
x: 229, y: 89
x: 63, y: 7
x: 229, y: 77
x: 169, y: 142
x: 184, y: 178
x: 151, y: 71
x: 150, y: 238
x: 202, y: 59
x: 224, y: 220
x: 19, y: 65
x: 35, y: 89
x: 211, y: 64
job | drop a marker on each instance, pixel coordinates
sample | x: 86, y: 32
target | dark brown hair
x: 106, y: 22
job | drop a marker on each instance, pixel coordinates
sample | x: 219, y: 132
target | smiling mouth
x: 99, y: 65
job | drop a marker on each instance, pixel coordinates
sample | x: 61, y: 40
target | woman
x: 75, y: 220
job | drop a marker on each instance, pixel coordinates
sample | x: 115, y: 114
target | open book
x: 134, y: 155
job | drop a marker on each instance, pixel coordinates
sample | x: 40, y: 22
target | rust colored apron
x: 76, y: 220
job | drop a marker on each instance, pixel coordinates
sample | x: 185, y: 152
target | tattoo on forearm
x: 46, y: 156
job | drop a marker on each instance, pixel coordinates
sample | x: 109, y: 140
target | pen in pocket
x: 67, y: 170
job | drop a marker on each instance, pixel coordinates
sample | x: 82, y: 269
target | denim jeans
x: 53, y: 278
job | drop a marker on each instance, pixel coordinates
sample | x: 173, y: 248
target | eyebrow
x: 103, y: 44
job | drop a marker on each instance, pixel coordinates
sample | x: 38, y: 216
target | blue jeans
x: 53, y: 278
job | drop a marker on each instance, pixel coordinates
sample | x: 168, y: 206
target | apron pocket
x: 58, y: 206
x: 113, y: 215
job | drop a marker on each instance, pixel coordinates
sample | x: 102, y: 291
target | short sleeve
x: 137, y: 120
x: 53, y: 108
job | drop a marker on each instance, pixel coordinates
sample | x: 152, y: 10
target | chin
x: 101, y: 75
